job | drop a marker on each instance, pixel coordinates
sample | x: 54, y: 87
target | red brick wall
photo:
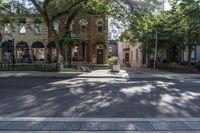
x: 93, y: 36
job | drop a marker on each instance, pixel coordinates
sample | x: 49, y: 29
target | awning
x: 37, y: 45
x: 22, y: 44
x: 51, y: 45
x: 126, y: 49
x: 7, y: 46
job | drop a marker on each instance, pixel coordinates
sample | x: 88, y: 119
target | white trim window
x: 22, y: 28
x: 83, y: 23
x: 7, y: 28
x: 100, y: 26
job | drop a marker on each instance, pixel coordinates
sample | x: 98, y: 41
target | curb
x: 100, y: 77
x: 68, y: 119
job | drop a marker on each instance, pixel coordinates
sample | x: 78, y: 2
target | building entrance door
x: 100, y: 56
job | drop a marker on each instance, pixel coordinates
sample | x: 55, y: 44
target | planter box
x: 116, y: 68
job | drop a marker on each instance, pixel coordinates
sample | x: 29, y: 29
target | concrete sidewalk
x: 93, y: 74
x: 121, y: 125
x: 124, y: 73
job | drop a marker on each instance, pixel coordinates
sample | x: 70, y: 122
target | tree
x: 52, y: 10
x: 180, y: 26
x: 145, y: 27
x: 189, y: 11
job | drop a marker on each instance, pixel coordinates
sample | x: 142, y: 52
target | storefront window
x: 38, y: 51
x: 22, y: 52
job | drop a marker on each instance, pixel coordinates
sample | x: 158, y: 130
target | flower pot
x: 116, y: 68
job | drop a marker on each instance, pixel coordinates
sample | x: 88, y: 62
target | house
x: 131, y: 55
x: 94, y: 29
x: 30, y: 40
x: 112, y: 48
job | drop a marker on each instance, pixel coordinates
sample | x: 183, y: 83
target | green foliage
x: 180, y: 26
x: 171, y: 66
x: 113, y: 60
x: 197, y: 66
x: 175, y: 67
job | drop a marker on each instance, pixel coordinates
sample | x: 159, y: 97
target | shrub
x: 197, y: 66
x: 172, y: 66
x: 179, y: 68
x: 113, y: 60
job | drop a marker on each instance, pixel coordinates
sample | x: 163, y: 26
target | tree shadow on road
x: 100, y: 98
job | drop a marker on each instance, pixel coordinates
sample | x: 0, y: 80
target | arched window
x: 100, y: 26
x: 38, y: 51
x: 83, y: 24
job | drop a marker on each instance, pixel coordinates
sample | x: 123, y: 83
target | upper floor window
x: 37, y: 27
x: 100, y: 26
x: 71, y: 26
x: 7, y: 28
x: 22, y: 27
x: 83, y: 24
x: 56, y: 26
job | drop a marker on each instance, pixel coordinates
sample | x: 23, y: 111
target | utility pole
x: 156, y: 51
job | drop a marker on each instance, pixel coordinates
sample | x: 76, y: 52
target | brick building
x: 94, y: 29
x: 33, y: 41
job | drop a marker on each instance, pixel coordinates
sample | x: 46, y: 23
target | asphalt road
x: 35, y: 97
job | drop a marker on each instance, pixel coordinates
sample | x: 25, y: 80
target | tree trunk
x: 147, y: 56
x: 60, y: 61
x: 189, y: 56
x: 156, y: 50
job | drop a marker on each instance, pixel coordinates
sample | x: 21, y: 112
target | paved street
x: 99, y: 97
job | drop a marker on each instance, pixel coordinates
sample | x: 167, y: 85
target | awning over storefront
x: 51, y: 45
x: 37, y: 45
x: 7, y: 46
x: 22, y: 44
